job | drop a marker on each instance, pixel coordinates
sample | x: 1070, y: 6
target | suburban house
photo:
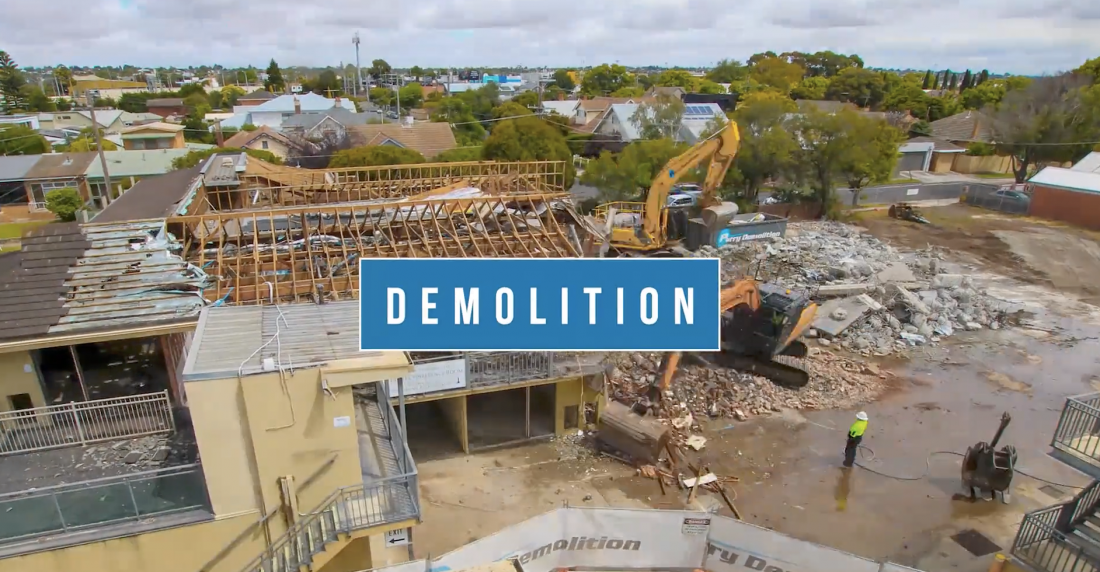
x: 126, y: 168
x: 154, y: 197
x: 113, y: 88
x: 331, y: 124
x: 591, y: 112
x: 1070, y: 195
x: 57, y: 171
x: 13, y: 174
x: 23, y: 119
x: 111, y: 121
x: 936, y: 155
x: 166, y: 107
x: 273, y: 112
x: 157, y: 135
x: 963, y: 128
x: 727, y: 101
x: 673, y: 91
x: 429, y: 139
x: 255, y: 98
x: 697, y: 117
x: 565, y: 108
x: 507, y: 90
x: 264, y: 139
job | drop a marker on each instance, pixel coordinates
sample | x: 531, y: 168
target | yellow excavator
x: 761, y: 327
x: 643, y: 228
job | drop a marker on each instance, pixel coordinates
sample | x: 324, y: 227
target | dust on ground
x: 1022, y: 248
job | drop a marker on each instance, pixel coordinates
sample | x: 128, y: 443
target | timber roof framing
x: 290, y: 254
x: 356, y: 184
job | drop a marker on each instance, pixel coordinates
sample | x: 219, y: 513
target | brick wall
x: 1075, y: 207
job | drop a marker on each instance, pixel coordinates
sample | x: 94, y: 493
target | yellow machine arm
x: 720, y: 148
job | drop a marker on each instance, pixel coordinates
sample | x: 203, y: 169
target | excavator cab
x: 764, y: 340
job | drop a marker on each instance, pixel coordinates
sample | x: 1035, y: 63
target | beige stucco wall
x: 274, y: 146
x: 181, y: 549
x: 293, y: 426
x: 74, y: 120
x: 18, y: 375
x: 989, y: 164
x: 218, y: 416
x: 571, y: 392
x: 454, y: 409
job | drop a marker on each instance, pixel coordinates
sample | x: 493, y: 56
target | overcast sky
x: 1015, y: 36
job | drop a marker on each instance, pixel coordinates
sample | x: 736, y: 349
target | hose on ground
x: 867, y: 455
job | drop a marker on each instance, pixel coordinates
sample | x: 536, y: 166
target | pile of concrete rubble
x: 702, y: 390
x: 873, y: 299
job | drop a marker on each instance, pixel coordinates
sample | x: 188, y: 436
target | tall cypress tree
x: 936, y: 81
x: 927, y: 80
x: 983, y: 77
x: 967, y: 78
x: 952, y: 81
x: 11, y: 84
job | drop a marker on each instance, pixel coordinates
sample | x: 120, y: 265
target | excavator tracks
x: 785, y: 370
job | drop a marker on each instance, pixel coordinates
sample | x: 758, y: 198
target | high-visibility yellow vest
x: 857, y: 428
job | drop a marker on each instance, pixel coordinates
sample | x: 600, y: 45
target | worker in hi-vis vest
x: 855, y: 435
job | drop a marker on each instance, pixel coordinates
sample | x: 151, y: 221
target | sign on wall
x: 433, y: 376
x: 581, y: 304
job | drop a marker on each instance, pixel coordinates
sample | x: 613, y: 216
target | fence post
x: 171, y: 413
x: 76, y: 423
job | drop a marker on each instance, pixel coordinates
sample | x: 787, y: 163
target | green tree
x: 677, y: 78
x: 215, y: 99
x: 22, y: 140
x: 11, y: 85
x: 778, y: 73
x: 660, y: 118
x: 327, y: 83
x: 927, y: 83
x: 528, y: 99
x: 230, y: 95
x: 411, y: 95
x: 198, y: 156
x: 843, y: 146
x: 985, y: 94
x: 768, y: 98
x: 952, y: 82
x: 482, y: 100
x: 36, y: 99
x: 64, y: 78
x: 711, y: 88
x: 459, y: 155
x: 379, y: 68
x: 86, y: 142
x: 628, y: 175
x: 64, y: 104
x: 510, y: 109
x: 375, y: 155
x: 381, y: 96
x: 274, y: 82
x: 872, y: 153
x: 604, y: 79
x: 965, y: 83
x: 1017, y: 82
x: 1044, y: 122
x: 468, y: 131
x: 907, y: 97
x: 632, y: 91
x: 728, y: 71
x: 64, y: 203
x: 134, y: 102
x: 416, y: 71
x: 936, y: 81
x: 861, y: 86
x: 768, y: 147
x: 811, y: 88
x: 563, y: 80
x: 983, y: 77
x: 945, y: 105
x: 1090, y: 68
x: 529, y: 139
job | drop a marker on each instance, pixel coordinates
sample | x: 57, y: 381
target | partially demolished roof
x: 75, y: 279
x: 292, y: 253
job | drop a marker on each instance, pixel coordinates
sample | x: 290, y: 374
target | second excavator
x: 761, y: 329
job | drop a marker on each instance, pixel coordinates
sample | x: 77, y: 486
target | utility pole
x: 358, y: 68
x: 90, y: 94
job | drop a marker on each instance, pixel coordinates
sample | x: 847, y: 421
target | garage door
x: 910, y: 162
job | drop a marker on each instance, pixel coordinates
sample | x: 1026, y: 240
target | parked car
x: 681, y: 200
x: 1011, y: 195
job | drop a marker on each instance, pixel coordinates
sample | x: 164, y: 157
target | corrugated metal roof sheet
x: 231, y: 339
x: 136, y: 163
x: 1090, y: 164
x: 1068, y: 179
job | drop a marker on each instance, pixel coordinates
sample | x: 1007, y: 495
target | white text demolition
x: 467, y: 306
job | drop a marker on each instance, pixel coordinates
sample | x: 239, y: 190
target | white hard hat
x: 862, y: 415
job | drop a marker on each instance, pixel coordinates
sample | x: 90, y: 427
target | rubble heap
x: 710, y: 391
x: 873, y: 299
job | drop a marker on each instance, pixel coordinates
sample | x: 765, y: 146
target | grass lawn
x: 11, y: 230
x: 992, y: 175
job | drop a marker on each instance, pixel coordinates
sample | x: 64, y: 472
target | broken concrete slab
x: 947, y: 280
x: 909, y: 299
x: 133, y: 457
x: 896, y: 272
x: 851, y: 309
x: 842, y: 290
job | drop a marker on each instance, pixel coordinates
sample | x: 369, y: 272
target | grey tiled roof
x: 965, y: 126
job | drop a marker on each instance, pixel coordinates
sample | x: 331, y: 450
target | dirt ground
x: 1023, y: 248
x: 944, y: 399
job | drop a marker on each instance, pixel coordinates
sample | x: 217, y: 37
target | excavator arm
x: 720, y: 148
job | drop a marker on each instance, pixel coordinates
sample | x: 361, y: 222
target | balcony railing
x: 1044, y: 542
x: 1078, y: 431
x: 101, y: 502
x: 80, y: 423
